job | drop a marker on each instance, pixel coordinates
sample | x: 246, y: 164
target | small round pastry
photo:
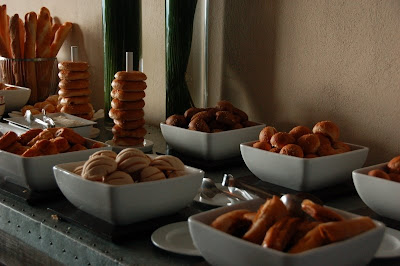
x: 191, y: 112
x: 237, y: 126
x: 130, y: 75
x: 126, y: 114
x: 263, y: 145
x: 241, y: 114
x: 74, y: 100
x: 97, y: 167
x: 281, y: 139
x: 127, y: 96
x: 131, y: 160
x: 127, y: 141
x: 299, y: 131
x: 49, y: 108
x: 127, y: 105
x: 199, y: 124
x: 61, y: 144
x: 225, y: 106
x: 118, y: 178
x: 73, y: 75
x: 168, y: 163
x: 151, y: 173
x: 379, y: 173
x: 292, y: 150
x: 275, y: 150
x: 394, y: 165
x: 226, y: 117
x: 40, y: 105
x: 309, y: 143
x: 205, y: 115
x: 74, y: 92
x: 217, y: 126
x: 73, y: 66
x: 177, y: 120
x: 128, y: 85
x: 328, y: 129
x: 134, y: 124
x: 341, y: 147
x: 29, y: 135
x: 326, y: 150
x: 70, y: 135
x: 132, y: 133
x: 266, y: 134
x: 173, y: 174
x: 77, y: 108
x: 108, y: 153
x: 73, y: 84
x: 53, y: 99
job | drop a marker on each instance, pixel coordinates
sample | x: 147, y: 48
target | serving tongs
x: 47, y: 122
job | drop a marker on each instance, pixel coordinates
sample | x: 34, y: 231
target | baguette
x: 5, y: 50
x: 59, y: 38
x: 54, y: 29
x: 30, y: 52
x: 43, y: 33
x: 16, y: 50
x: 21, y: 36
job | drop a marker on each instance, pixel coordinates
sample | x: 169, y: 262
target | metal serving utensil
x: 48, y: 119
x: 210, y: 190
x: 30, y: 118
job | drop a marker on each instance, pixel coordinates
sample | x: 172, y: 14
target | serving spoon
x: 210, y: 190
x: 291, y: 201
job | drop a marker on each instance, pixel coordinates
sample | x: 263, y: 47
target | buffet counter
x: 46, y: 230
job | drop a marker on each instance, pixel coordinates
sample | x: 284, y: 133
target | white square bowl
x: 381, y: 195
x: 131, y: 203
x: 303, y: 174
x: 15, y: 99
x: 36, y: 173
x: 209, y: 146
x: 219, y: 248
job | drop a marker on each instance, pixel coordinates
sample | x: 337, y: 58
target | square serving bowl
x: 303, y: 174
x: 219, y: 248
x: 131, y: 203
x: 36, y: 173
x: 208, y: 146
x: 381, y: 195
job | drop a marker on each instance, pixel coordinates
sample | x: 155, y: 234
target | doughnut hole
x: 281, y: 139
x: 292, y: 150
x: 394, y: 165
x: 299, y: 131
x: 263, y: 145
x: 266, y: 133
x: 328, y: 129
x: 379, y: 173
x: 309, y: 143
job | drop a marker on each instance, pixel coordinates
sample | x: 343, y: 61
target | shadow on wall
x: 248, y: 61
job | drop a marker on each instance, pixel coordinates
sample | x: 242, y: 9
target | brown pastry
x: 233, y: 222
x: 71, y: 136
x: 97, y: 167
x: 292, y: 150
x: 128, y: 85
x: 75, y: 109
x: 263, y: 145
x: 73, y: 66
x: 127, y: 141
x: 130, y: 75
x: 151, y: 173
x: 309, y: 143
x: 73, y: 75
x: 226, y: 118
x: 299, y: 131
x: 131, y: 160
x: 133, y: 124
x: 379, y: 173
x: 127, y: 105
x: 279, y: 235
x: 199, y: 124
x: 26, y: 137
x: 328, y: 129
x: 394, y: 165
x: 61, y: 144
x: 177, y: 120
x: 76, y: 147
x: 319, y: 212
x: 191, y: 112
x: 73, y: 84
x: 266, y: 134
x: 133, y: 133
x: 281, y: 139
x: 126, y: 115
x: 225, y: 106
x: 127, y: 96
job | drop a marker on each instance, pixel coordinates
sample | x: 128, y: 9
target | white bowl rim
x: 357, y: 174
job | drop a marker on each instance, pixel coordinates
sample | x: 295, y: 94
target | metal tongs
x: 47, y: 122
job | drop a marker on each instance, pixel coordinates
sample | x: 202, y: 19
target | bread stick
x: 16, y: 50
x: 21, y: 36
x: 312, y: 239
x: 59, y: 38
x: 54, y: 29
x: 279, y: 235
x: 4, y: 33
x: 43, y: 34
x: 30, y: 52
x: 320, y: 213
x: 232, y: 221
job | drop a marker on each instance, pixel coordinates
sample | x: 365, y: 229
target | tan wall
x: 286, y: 63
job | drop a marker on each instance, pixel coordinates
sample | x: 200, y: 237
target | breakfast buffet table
x: 45, y: 229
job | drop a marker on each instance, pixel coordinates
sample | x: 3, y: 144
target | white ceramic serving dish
x: 131, y: 203
x: 303, y: 174
x: 81, y: 126
x: 15, y: 99
x: 381, y: 195
x: 36, y: 173
x: 219, y: 248
x: 208, y: 146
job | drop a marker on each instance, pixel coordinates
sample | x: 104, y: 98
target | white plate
x: 175, y: 238
x: 146, y: 147
x: 390, y: 245
x: 222, y: 199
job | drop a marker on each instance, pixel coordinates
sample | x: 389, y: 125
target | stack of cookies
x: 127, y: 108
x: 74, y: 89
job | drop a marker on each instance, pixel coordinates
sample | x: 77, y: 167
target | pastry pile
x: 390, y: 172
x: 129, y: 166
x: 127, y: 108
x: 272, y: 226
x: 303, y: 142
x: 224, y: 116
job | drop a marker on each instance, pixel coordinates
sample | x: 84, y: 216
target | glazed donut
x: 299, y: 131
x: 309, y: 143
x: 191, y: 112
x: 73, y: 66
x: 126, y: 141
x: 26, y: 137
x: 133, y: 124
x: 97, y: 167
x: 266, y: 134
x: 70, y: 135
x: 73, y: 93
x: 118, y: 178
x: 77, y: 108
x: 225, y: 106
x: 263, y: 145
x: 226, y: 118
x: 131, y: 160
x: 379, y: 173
x: 151, y: 173
x: 74, y: 100
x: 328, y: 129
x: 53, y: 99
x: 394, y: 165
x: 8, y: 139
x: 127, y: 96
x: 73, y: 75
x: 281, y: 139
x: 127, y: 105
x: 292, y: 150
x: 177, y: 120
x: 168, y: 163
x: 132, y: 133
x: 199, y: 124
x: 126, y: 115
x: 128, y: 85
x: 130, y: 75
x: 73, y: 84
